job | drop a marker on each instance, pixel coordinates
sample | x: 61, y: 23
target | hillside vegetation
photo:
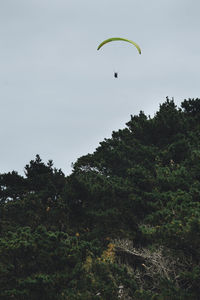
x: 124, y: 225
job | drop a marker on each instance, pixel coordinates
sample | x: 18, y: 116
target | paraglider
x: 119, y: 39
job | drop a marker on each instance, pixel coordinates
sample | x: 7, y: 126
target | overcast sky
x: 58, y: 95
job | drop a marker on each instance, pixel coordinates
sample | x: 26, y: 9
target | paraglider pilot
x: 115, y: 74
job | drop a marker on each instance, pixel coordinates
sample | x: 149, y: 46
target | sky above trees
x: 58, y: 95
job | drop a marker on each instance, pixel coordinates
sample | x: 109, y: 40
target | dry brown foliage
x: 149, y: 266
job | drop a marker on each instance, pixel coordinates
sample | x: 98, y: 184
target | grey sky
x: 58, y: 96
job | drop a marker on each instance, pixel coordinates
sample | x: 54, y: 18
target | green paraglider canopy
x: 119, y: 39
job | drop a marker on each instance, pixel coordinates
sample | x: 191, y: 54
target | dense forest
x: 124, y: 225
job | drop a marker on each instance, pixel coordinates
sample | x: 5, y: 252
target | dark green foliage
x: 44, y: 178
x: 58, y: 234
x: 12, y: 186
x: 42, y: 264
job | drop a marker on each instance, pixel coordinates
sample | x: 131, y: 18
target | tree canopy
x: 125, y: 223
